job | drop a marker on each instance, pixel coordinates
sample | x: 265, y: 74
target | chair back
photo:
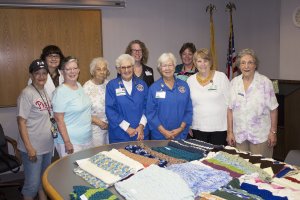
x: 2, y: 137
x: 3, y: 142
x: 7, y: 162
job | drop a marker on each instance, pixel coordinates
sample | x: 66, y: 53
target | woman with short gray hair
x: 125, y: 102
x: 252, y: 113
x: 95, y: 88
x: 169, y: 107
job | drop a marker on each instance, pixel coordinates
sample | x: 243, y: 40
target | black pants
x: 217, y: 137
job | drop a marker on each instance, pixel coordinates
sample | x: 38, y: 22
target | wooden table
x: 59, y: 178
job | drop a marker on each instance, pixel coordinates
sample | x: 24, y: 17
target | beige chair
x: 293, y: 157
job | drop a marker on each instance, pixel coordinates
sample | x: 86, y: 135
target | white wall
x: 164, y: 25
x: 289, y: 42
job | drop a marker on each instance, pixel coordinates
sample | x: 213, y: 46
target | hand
x: 176, y: 132
x: 191, y: 133
x: 103, y: 125
x: 69, y: 148
x: 168, y: 135
x: 272, y: 139
x: 32, y: 154
x: 140, y: 132
x: 230, y: 139
x: 131, y: 132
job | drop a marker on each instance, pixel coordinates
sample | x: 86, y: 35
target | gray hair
x: 245, y: 52
x: 165, y: 57
x: 96, y: 61
x: 67, y: 60
x: 124, y: 57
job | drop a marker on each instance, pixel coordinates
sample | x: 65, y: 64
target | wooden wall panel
x: 25, y: 32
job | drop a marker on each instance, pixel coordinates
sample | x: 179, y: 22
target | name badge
x: 213, y: 87
x: 148, y: 73
x: 120, y: 91
x: 160, y: 95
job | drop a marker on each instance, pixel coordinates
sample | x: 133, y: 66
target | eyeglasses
x: 53, y: 56
x: 136, y: 50
x: 72, y: 69
x: 247, y: 63
x: 126, y: 67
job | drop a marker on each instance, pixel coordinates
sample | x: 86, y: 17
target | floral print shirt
x: 97, y: 96
x: 251, y: 108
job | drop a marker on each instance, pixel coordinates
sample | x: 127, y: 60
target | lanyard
x: 48, y: 105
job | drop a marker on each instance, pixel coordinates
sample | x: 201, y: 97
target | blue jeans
x: 33, y: 172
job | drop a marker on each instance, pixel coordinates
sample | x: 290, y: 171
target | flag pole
x: 231, y: 55
x: 210, y: 8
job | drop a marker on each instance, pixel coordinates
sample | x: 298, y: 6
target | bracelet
x: 274, y: 132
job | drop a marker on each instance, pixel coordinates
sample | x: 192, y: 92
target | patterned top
x: 97, y: 96
x: 251, y: 108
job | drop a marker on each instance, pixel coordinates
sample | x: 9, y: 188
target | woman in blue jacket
x: 169, y: 108
x: 125, y: 103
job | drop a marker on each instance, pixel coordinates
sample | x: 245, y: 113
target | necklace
x: 203, y: 81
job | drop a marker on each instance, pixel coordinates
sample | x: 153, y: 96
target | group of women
x: 190, y: 100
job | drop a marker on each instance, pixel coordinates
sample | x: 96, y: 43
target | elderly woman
x: 125, y: 102
x: 72, y: 111
x: 252, y: 113
x: 187, y: 68
x: 35, y: 141
x: 169, y: 107
x: 138, y: 50
x: 53, y: 56
x: 95, y: 89
x: 209, y: 94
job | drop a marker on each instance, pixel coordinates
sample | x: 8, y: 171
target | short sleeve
x: 226, y: 88
x: 24, y: 104
x: 58, y: 101
x: 271, y: 100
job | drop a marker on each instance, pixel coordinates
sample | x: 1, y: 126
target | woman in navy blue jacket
x: 169, y: 107
x: 125, y: 103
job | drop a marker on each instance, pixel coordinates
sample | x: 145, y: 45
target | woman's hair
x: 100, y: 61
x: 124, y: 57
x: 67, y: 60
x: 52, y: 49
x: 189, y: 46
x: 203, y: 54
x: 245, y: 52
x: 165, y: 57
x: 145, y: 52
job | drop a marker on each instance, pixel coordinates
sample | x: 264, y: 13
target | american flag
x: 231, y: 67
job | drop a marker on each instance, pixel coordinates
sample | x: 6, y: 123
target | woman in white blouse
x: 209, y: 93
x: 95, y: 89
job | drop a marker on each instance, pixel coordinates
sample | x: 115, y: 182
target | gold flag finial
x: 230, y: 7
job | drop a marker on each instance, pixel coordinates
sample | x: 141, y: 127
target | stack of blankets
x: 189, y: 169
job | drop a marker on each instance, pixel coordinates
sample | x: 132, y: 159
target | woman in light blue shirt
x: 72, y: 111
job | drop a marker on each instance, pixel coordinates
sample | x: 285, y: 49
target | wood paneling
x: 25, y: 32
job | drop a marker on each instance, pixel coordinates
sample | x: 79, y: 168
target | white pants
x: 77, y: 147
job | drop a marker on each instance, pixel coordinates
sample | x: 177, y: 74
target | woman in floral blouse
x: 95, y: 89
x: 252, y: 113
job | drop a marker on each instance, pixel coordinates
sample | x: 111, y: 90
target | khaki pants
x: 261, y: 148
